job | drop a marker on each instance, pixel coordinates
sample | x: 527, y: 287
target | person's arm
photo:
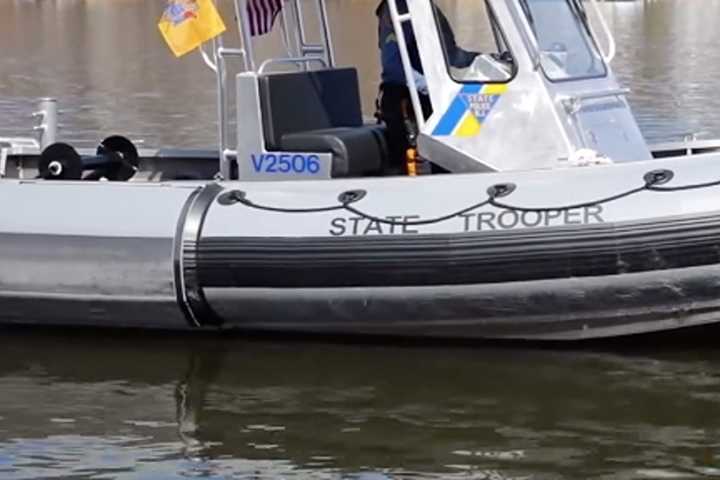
x: 391, y: 59
x: 457, y: 57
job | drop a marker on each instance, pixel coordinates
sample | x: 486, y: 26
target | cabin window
x: 474, y: 45
x: 567, y: 50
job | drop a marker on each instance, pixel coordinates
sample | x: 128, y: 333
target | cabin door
x: 490, y: 110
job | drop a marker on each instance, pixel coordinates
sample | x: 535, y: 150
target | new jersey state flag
x: 186, y: 24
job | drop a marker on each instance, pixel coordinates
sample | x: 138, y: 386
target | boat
x: 552, y: 220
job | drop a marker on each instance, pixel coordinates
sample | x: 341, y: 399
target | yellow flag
x: 186, y: 24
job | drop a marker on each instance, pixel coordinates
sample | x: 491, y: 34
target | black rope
x: 414, y: 223
x: 653, y: 182
x: 612, y: 198
x: 236, y: 196
x: 267, y: 208
x: 345, y: 199
x: 685, y: 187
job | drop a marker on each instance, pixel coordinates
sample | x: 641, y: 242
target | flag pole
x: 327, y: 35
x: 221, y: 85
x: 244, y: 27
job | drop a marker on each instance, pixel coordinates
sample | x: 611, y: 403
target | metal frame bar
x: 4, y: 151
x: 327, y: 35
x: 305, y: 48
x: 690, y: 144
x: 398, y: 21
x: 221, y: 53
x: 573, y: 103
x: 221, y: 85
x: 612, y: 46
x: 206, y: 58
x: 285, y: 33
x: 21, y: 145
x: 296, y: 60
x: 526, y: 33
x: 301, y: 53
x: 243, y: 25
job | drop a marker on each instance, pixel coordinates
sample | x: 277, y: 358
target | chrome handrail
x: 20, y: 144
x: 4, y: 151
x: 573, y: 103
x: 303, y: 53
x: 16, y: 146
x: 612, y: 46
x: 295, y: 60
x: 398, y: 21
x: 208, y: 61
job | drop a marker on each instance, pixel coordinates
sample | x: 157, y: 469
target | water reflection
x: 171, y: 408
x: 108, y: 65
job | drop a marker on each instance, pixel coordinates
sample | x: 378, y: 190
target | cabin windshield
x: 567, y: 50
x: 473, y: 42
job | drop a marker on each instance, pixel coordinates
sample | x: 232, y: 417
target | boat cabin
x: 539, y: 90
x: 535, y: 90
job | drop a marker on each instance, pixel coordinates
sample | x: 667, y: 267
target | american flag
x: 262, y: 14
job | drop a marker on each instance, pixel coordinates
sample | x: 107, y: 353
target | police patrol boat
x: 555, y: 219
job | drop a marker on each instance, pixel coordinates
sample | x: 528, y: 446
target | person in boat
x: 394, y: 107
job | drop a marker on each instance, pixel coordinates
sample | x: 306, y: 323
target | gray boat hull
x: 568, y: 309
x: 190, y: 256
x: 90, y: 281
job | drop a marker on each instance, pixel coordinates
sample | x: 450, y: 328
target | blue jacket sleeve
x: 392, y: 69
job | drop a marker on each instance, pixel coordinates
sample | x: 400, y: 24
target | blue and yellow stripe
x: 460, y: 119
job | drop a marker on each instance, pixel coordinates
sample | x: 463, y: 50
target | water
x: 107, y: 64
x: 89, y: 407
x: 93, y: 407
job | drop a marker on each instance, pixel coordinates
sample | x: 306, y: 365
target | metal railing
x: 47, y: 113
x: 398, y: 20
x: 300, y: 52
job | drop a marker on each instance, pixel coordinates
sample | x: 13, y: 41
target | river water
x: 87, y: 406
x: 112, y: 73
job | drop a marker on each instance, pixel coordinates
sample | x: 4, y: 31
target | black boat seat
x: 319, y: 111
x: 356, y: 151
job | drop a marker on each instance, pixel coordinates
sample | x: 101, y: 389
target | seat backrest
x: 314, y: 100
